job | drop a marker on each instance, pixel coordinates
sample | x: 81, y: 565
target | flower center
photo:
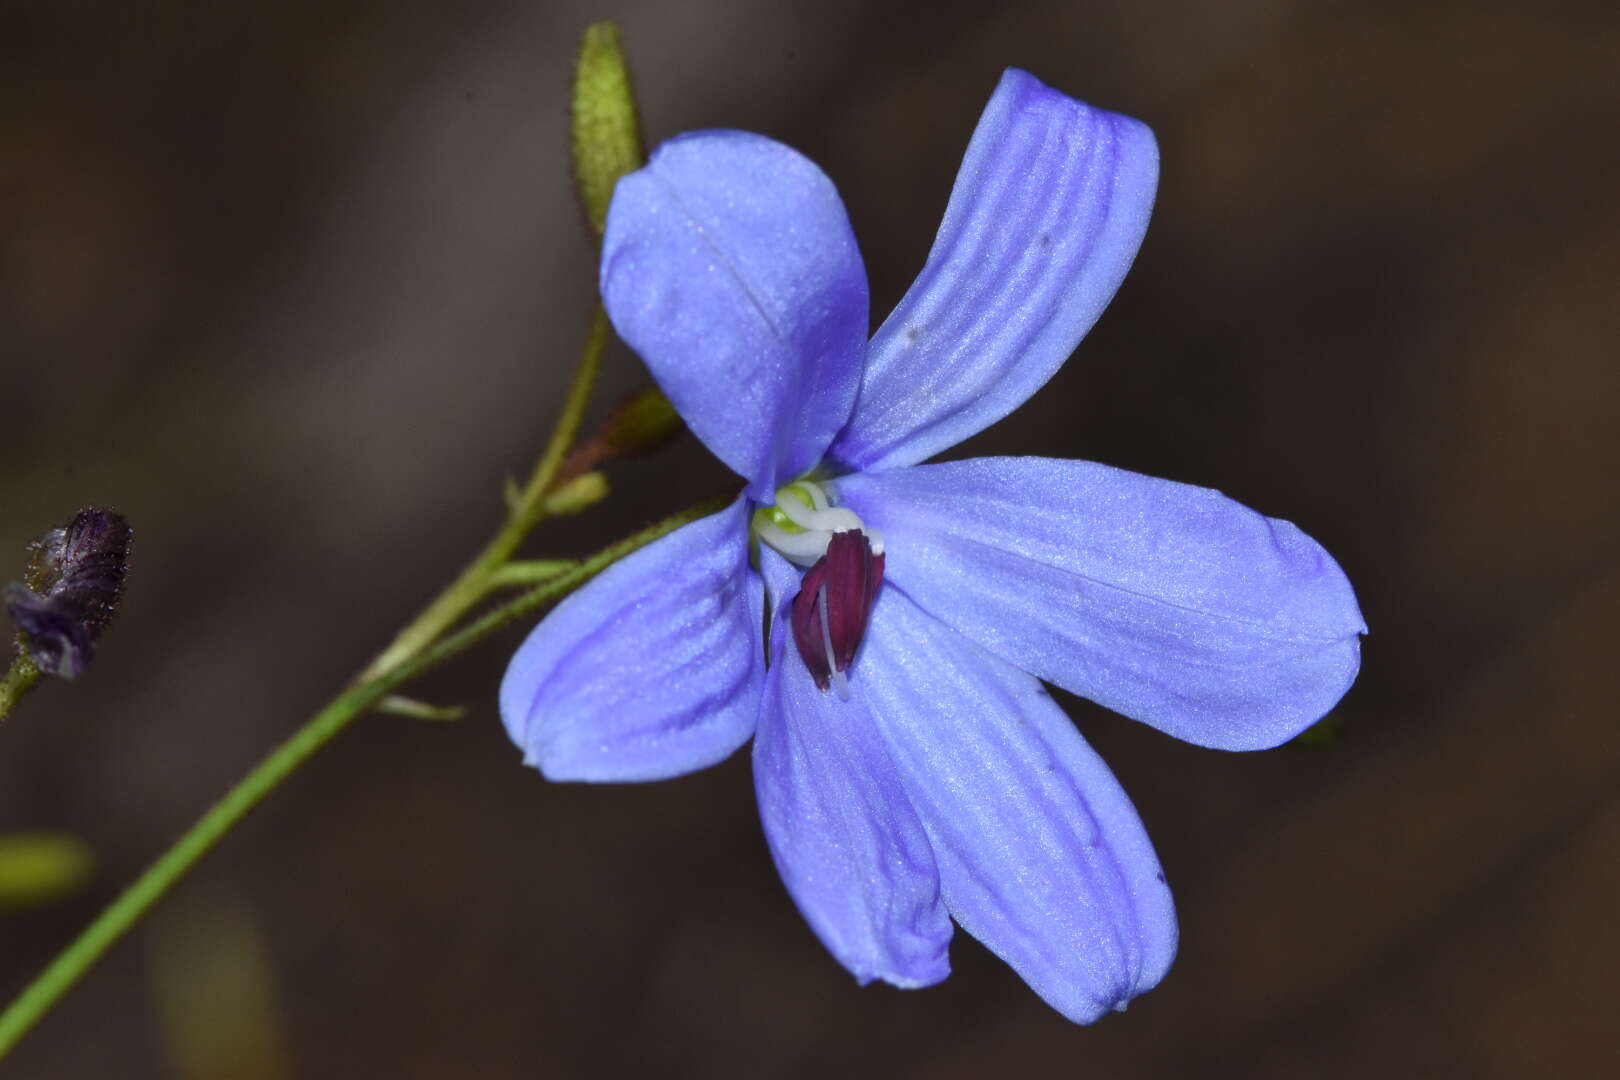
x: 845, y: 561
x: 804, y: 520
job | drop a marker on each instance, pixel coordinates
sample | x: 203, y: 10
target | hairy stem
x: 527, y: 511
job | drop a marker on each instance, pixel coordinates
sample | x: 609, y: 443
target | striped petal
x: 841, y: 829
x: 1041, y: 855
x: 1049, y: 208
x: 652, y: 670
x: 730, y: 267
x: 1166, y: 602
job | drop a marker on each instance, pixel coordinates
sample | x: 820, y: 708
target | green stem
x: 20, y: 679
x: 529, y: 572
x: 530, y: 509
x: 108, y: 927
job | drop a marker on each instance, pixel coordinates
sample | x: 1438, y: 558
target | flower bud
x: 607, y: 135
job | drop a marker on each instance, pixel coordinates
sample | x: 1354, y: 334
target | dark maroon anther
x: 74, y: 581
x: 851, y: 575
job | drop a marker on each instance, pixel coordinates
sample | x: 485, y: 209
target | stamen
x: 833, y: 606
x: 840, y: 682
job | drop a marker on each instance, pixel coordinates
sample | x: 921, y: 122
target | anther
x: 834, y: 605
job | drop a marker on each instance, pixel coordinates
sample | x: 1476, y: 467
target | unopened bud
x: 607, y: 136
x: 74, y: 580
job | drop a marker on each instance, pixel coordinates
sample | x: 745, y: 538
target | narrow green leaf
x: 607, y: 135
x: 400, y: 705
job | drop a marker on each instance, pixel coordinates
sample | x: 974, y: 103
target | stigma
x: 845, y: 570
x: 803, y: 521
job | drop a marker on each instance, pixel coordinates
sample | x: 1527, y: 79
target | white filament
x: 839, y: 682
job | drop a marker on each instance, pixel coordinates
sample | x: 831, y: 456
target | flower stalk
x: 361, y: 697
x: 606, y: 145
x: 528, y: 510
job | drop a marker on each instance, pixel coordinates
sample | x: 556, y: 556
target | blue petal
x: 1048, y: 210
x: 652, y: 670
x: 1041, y: 855
x: 1169, y: 603
x: 841, y: 829
x: 730, y: 267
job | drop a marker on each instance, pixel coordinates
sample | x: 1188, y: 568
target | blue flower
x: 947, y: 785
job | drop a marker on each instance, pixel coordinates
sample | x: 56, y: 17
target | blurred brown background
x: 294, y: 284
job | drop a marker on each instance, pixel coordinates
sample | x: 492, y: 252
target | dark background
x: 295, y: 284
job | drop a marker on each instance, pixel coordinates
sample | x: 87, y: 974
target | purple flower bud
x: 833, y: 605
x: 74, y: 580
